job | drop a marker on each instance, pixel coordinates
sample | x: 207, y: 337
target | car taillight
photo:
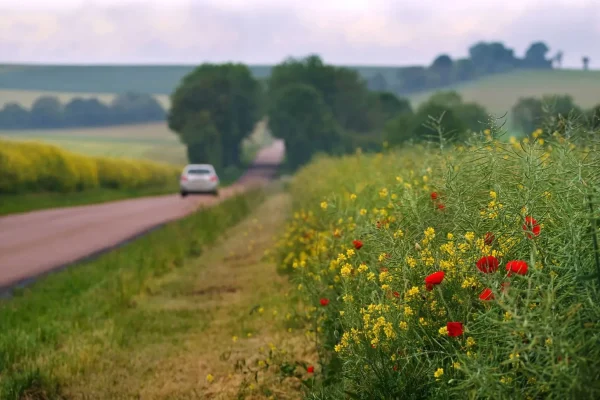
x: 213, y: 178
x: 183, y: 178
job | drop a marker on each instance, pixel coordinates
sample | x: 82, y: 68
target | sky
x: 346, y: 32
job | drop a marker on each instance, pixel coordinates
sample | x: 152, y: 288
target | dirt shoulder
x: 216, y: 328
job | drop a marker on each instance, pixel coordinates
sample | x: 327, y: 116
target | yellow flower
x: 443, y: 331
x: 470, y: 342
x: 456, y: 365
x: 507, y: 316
x: 363, y: 211
x: 346, y: 270
x: 210, y: 378
x: 470, y: 236
x: 438, y: 373
x: 408, y: 311
x: 403, y: 325
x: 493, y: 195
x: 235, y: 338
x: 324, y: 205
x: 261, y: 363
x: 261, y: 310
x: 353, y: 197
x: 411, y: 262
x: 549, y: 342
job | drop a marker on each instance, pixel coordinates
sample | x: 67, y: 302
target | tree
x: 586, y: 63
x: 231, y: 97
x: 300, y: 116
x: 464, y: 70
x: 558, y: 58
x: 527, y: 114
x: 413, y: 79
x: 136, y: 107
x: 87, y: 112
x: 442, y: 66
x: 47, y: 112
x: 535, y: 56
x: 342, y: 89
x: 377, y: 83
x: 203, y: 141
x: 14, y: 116
x: 492, y: 57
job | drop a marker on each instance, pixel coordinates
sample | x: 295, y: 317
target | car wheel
x: 183, y: 194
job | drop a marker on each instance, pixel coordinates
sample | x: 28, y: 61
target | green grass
x: 17, y: 203
x: 498, y: 93
x: 70, y: 323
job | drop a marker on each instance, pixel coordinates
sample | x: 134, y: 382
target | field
x: 463, y: 272
x: 499, y: 93
x: 153, y: 141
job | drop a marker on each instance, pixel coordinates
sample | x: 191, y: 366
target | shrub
x: 468, y: 273
x: 36, y: 167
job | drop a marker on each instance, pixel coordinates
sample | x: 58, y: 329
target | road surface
x: 37, y: 242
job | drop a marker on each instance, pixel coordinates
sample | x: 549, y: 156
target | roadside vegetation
x: 79, y: 330
x: 453, y: 270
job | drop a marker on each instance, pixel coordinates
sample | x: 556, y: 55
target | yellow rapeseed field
x: 33, y: 167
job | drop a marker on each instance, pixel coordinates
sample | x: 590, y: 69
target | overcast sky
x: 359, y: 32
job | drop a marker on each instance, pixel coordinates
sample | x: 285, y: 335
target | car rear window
x: 199, y: 172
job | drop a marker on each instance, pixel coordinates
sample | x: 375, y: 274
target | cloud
x: 267, y: 31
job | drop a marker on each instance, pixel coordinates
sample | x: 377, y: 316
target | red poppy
x: 383, y: 269
x: 441, y: 206
x: 357, y: 244
x: 454, y: 329
x: 488, y: 264
x: 396, y: 367
x: 396, y: 294
x: 531, y: 226
x: 434, y: 279
x: 324, y: 302
x: 516, y: 266
x: 486, y: 295
x: 434, y: 195
x: 489, y: 238
x: 310, y: 369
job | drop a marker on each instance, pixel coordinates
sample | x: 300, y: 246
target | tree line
x: 530, y: 112
x: 484, y: 58
x: 47, y: 112
x: 315, y: 108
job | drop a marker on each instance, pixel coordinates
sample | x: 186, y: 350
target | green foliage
x: 445, y: 108
x: 226, y: 95
x: 47, y: 112
x: 384, y: 334
x: 529, y: 112
x: 300, y: 116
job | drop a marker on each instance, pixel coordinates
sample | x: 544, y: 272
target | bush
x: 402, y: 260
x: 37, y: 167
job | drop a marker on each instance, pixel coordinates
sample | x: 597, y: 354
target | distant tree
x: 47, y: 112
x: 87, y: 112
x: 464, y: 70
x: 558, y: 58
x: 442, y: 66
x: 492, y: 57
x: 377, y: 83
x: 391, y: 105
x: 14, y: 116
x: 299, y: 115
x: 586, y: 63
x: 535, y: 56
x: 134, y: 108
x: 527, y: 114
x: 413, y: 79
x: 230, y: 96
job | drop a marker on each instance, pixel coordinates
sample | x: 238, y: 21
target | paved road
x: 37, y: 242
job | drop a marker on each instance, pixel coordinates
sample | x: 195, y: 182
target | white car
x: 199, y: 178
